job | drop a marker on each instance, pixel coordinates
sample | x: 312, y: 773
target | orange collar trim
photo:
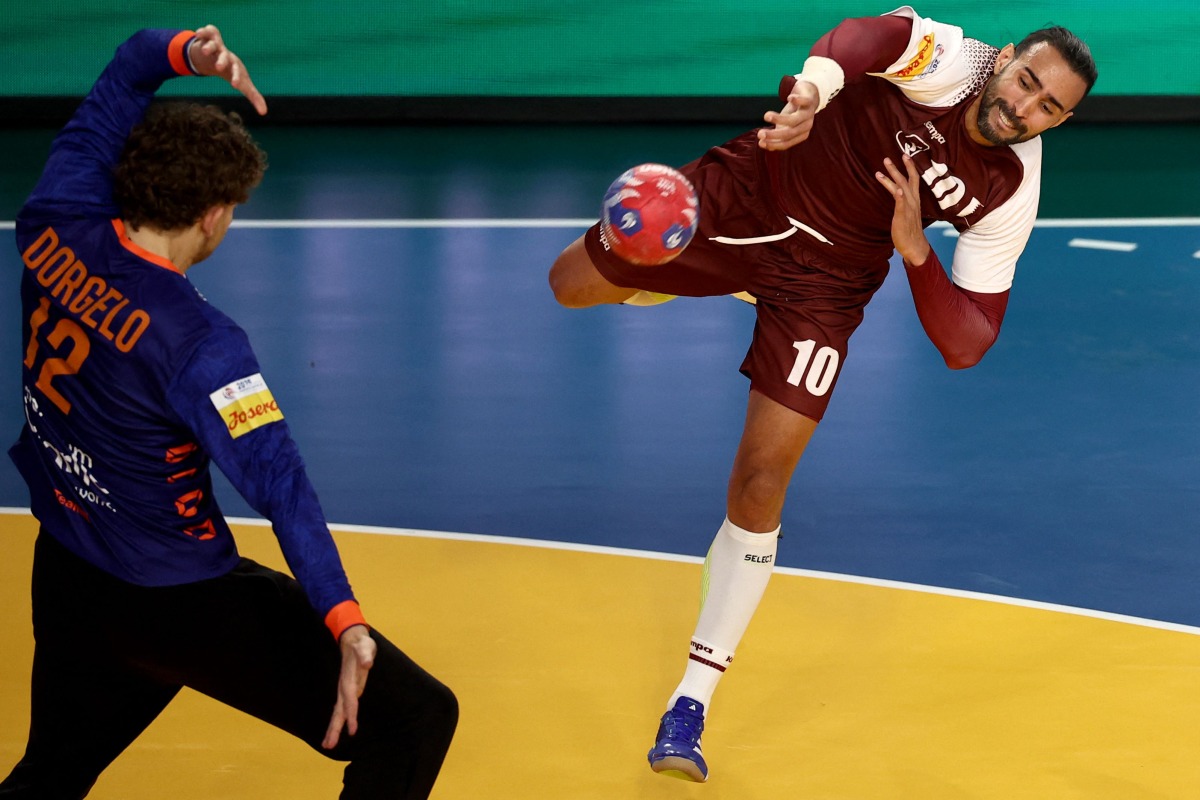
x: 139, y: 251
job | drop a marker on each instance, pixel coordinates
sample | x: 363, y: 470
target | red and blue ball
x: 649, y: 214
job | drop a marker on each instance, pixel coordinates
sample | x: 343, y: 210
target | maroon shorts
x: 808, y: 305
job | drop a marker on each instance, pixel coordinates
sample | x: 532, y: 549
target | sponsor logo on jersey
x: 949, y: 190
x: 933, y: 65
x: 71, y: 505
x: 246, y: 404
x: 929, y: 69
x: 910, y: 144
x: 76, y: 465
x: 927, y: 52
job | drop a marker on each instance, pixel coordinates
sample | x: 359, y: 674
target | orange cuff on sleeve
x: 342, y: 616
x: 175, y: 52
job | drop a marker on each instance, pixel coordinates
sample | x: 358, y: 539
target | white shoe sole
x: 681, y: 768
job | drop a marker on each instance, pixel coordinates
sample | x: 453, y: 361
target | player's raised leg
x: 577, y: 283
x: 648, y: 217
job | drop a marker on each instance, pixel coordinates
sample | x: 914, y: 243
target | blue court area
x: 393, y: 282
x: 433, y: 383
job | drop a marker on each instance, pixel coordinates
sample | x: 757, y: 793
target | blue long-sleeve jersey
x: 134, y: 383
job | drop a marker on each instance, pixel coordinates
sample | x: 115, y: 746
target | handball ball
x: 649, y: 214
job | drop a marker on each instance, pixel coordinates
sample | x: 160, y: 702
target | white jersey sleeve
x: 985, y: 258
x: 940, y: 66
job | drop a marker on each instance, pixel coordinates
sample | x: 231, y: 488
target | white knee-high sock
x: 736, y: 572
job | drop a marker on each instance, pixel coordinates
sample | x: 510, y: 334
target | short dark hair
x: 1073, y: 50
x: 181, y: 160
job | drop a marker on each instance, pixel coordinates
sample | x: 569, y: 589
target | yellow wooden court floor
x: 562, y: 659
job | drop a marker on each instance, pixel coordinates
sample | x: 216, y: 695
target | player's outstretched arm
x: 210, y: 56
x: 854, y: 48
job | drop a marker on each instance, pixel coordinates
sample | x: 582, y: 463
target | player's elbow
x: 964, y: 357
x: 962, y: 360
x: 965, y: 353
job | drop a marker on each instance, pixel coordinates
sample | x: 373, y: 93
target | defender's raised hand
x: 210, y: 56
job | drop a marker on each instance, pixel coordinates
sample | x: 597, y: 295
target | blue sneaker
x: 677, y: 751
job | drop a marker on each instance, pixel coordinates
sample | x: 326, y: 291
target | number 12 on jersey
x: 815, y: 369
x: 54, y: 367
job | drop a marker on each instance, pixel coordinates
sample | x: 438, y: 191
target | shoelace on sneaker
x: 683, y: 724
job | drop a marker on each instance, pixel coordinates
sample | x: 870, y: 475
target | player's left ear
x: 1006, y: 54
x: 212, y: 219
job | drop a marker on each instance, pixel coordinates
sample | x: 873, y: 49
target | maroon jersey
x: 807, y: 230
x: 916, y: 107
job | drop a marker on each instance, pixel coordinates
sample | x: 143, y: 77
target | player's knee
x: 577, y: 283
x: 566, y: 290
x: 756, y: 498
x: 442, y: 712
x: 424, y: 723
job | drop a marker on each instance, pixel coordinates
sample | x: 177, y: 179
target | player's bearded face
x: 1031, y: 92
x: 993, y: 108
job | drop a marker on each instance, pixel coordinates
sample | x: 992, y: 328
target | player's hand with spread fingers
x: 210, y: 56
x: 358, y: 655
x: 908, y: 233
x: 792, y: 124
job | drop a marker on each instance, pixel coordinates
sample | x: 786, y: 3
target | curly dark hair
x: 181, y: 160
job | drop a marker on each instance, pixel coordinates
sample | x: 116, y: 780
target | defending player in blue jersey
x: 133, y: 386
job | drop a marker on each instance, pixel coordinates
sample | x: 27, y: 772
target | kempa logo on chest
x: 949, y: 190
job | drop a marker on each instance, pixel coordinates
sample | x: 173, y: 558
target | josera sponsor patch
x: 246, y: 404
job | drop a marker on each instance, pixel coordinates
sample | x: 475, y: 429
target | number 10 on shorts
x: 817, y: 370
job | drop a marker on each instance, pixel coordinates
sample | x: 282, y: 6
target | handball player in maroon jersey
x: 894, y: 122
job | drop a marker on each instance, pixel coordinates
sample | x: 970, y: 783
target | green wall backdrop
x: 560, y: 47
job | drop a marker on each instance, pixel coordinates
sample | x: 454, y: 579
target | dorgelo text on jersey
x: 83, y: 296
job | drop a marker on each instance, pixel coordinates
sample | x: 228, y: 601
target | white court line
x: 414, y: 223
x: 377, y: 224
x: 804, y: 573
x: 1116, y: 222
x: 1119, y: 222
x: 1102, y: 244
x: 1132, y: 222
